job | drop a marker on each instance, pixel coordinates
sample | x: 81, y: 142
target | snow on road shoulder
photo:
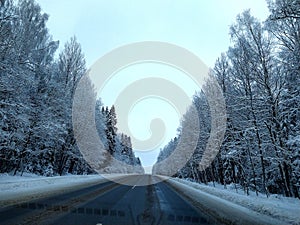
x: 282, y: 208
x: 16, y: 189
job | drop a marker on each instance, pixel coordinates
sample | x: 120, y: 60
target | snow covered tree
x: 284, y: 24
x: 26, y: 60
x: 101, y: 121
x: 259, y: 77
x: 71, y: 65
x: 111, y: 130
x: 36, y: 129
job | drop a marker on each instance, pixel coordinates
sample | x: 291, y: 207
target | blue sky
x: 100, y: 26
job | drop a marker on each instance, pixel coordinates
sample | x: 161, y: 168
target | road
x: 109, y: 203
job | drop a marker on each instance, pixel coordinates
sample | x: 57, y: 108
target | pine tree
x: 111, y: 130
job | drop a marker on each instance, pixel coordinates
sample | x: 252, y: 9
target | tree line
x: 37, y: 89
x: 260, y: 79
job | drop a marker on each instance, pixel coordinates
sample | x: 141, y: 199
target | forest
x: 259, y: 76
x: 260, y: 79
x: 37, y: 88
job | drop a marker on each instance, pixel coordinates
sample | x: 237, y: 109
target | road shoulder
x: 226, y: 212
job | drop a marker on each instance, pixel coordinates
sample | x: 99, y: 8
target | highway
x: 109, y: 203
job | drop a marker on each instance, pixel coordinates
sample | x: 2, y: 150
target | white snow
x: 16, y: 189
x: 283, y: 209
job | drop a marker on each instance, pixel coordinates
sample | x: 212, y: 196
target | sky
x: 100, y: 26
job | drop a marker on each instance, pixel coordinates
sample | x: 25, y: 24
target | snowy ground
x: 28, y: 187
x: 278, y: 207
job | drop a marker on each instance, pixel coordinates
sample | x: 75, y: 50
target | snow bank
x: 240, y: 208
x: 16, y: 189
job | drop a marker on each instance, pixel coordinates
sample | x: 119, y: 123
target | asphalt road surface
x: 109, y: 203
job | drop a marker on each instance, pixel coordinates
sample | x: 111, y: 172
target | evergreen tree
x: 111, y: 130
